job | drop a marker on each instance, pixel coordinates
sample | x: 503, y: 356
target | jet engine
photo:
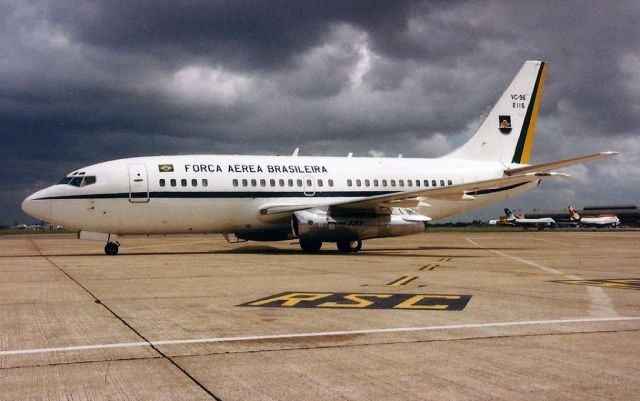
x: 322, y: 226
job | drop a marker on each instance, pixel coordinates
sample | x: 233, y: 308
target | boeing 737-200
x: 315, y: 199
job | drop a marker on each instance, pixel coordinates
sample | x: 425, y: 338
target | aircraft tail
x: 509, y: 214
x: 573, y: 215
x: 507, y: 134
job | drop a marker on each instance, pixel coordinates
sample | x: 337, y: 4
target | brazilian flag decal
x: 165, y: 168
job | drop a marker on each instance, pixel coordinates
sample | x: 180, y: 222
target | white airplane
x: 315, y: 199
x: 599, y: 221
x: 524, y: 222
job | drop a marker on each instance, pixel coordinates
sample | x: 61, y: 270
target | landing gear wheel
x: 111, y: 248
x: 349, y: 246
x: 310, y: 245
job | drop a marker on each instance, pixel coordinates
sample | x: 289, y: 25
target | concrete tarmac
x: 437, y: 316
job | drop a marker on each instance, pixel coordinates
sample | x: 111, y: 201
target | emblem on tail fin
x: 504, y: 124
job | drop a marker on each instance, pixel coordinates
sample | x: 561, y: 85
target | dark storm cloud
x: 87, y: 81
x: 241, y: 34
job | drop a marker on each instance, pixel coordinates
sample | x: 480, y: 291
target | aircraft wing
x: 514, y: 177
x: 419, y: 197
x: 544, y: 167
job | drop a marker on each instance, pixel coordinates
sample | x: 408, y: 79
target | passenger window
x: 194, y: 182
x: 349, y: 183
x: 330, y: 182
x: 433, y: 183
x: 244, y: 182
x: 173, y: 182
x: 410, y: 183
x: 183, y: 182
x: 359, y: 183
x: 367, y: 183
x: 299, y: 182
x: 162, y: 182
x: 393, y: 183
x: 442, y: 183
x: 290, y: 182
x: 401, y: 183
x: 254, y: 183
x: 449, y: 182
x: 426, y: 183
x: 384, y: 183
x: 319, y: 183
x: 417, y: 183
x: 375, y: 183
x: 263, y: 183
x: 272, y: 182
x: 281, y: 182
x: 309, y: 183
x: 235, y: 182
x: 205, y: 182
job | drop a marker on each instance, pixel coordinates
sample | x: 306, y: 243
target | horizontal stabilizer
x: 545, y: 167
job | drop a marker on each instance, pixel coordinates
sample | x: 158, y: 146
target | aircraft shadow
x: 268, y: 250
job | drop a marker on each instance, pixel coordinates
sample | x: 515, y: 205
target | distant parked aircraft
x: 522, y: 221
x: 595, y: 221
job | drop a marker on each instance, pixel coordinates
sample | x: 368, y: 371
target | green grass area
x: 493, y: 229
x: 432, y: 229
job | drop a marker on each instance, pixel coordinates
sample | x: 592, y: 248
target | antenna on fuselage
x: 350, y: 154
x: 295, y: 152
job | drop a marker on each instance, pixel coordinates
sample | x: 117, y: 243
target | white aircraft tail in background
x: 344, y: 200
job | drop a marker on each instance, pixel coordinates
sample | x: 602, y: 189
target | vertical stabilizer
x: 507, y: 134
x: 573, y: 215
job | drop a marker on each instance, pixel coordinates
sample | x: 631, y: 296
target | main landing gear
x: 308, y: 245
x: 351, y: 246
x: 111, y: 248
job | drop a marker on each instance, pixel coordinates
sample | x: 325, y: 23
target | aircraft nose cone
x: 38, y: 208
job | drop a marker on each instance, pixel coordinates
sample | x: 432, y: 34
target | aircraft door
x: 309, y: 185
x: 138, y: 183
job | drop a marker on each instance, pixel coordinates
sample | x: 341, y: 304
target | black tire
x: 308, y: 245
x: 349, y: 246
x: 111, y: 248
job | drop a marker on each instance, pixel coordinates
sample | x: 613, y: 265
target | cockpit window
x: 78, y: 181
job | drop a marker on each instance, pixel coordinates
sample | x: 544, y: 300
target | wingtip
x: 610, y: 153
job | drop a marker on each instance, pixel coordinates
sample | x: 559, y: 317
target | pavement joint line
x: 323, y: 334
x: 136, y: 332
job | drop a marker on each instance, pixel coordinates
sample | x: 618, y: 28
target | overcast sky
x: 87, y: 81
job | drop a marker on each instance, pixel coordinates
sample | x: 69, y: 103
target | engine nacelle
x: 321, y: 226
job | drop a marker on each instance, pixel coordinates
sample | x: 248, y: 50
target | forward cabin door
x: 138, y: 183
